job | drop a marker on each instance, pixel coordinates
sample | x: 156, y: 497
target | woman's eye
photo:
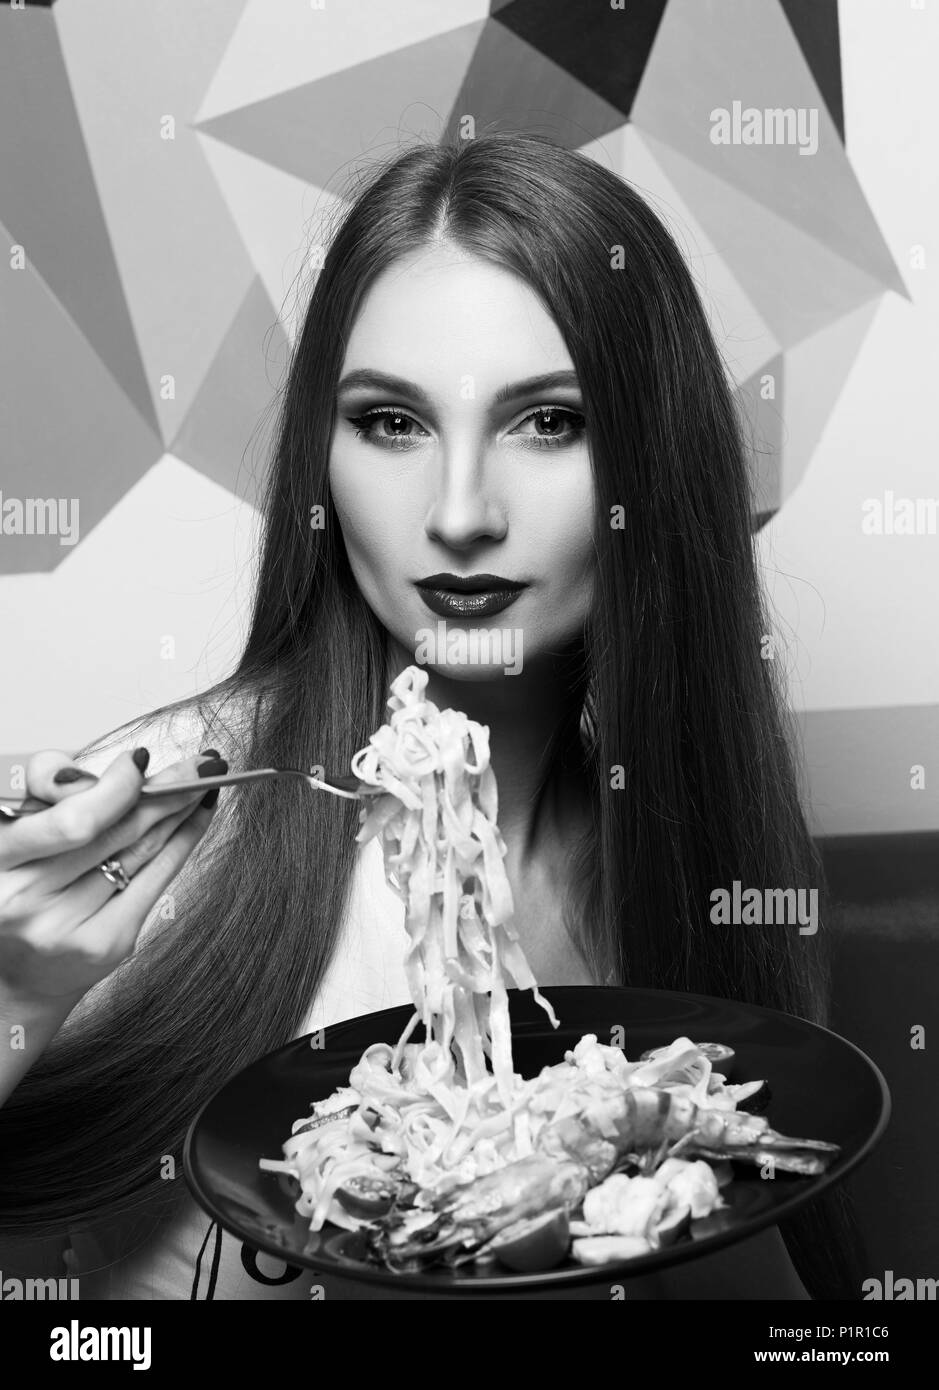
x: 391, y: 428
x: 554, y: 427
x: 399, y: 424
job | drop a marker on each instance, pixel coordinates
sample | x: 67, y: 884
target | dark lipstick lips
x: 468, y: 584
x: 470, y: 596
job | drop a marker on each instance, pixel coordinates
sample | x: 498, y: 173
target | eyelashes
x: 366, y: 425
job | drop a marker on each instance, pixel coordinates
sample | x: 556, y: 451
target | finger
x: 146, y: 849
x: 77, y: 820
x: 183, y: 770
x: 53, y: 775
x: 62, y: 959
x: 89, y: 893
x: 51, y: 875
x: 116, y: 926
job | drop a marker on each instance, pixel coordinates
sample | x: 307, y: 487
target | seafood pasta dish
x: 436, y: 1150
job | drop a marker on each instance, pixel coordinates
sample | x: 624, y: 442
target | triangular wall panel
x: 49, y: 199
x: 70, y: 434
x: 758, y: 64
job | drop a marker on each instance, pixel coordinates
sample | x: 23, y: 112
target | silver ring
x: 113, y: 870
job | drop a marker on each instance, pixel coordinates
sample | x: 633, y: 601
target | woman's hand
x: 64, y: 925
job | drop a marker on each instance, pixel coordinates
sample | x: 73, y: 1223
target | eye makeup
x: 366, y: 424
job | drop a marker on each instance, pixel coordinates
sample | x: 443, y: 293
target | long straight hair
x: 686, y: 738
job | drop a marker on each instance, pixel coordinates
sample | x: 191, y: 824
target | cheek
x: 562, y: 529
x: 373, y: 512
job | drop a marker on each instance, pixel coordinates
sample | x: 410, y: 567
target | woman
x: 558, y: 417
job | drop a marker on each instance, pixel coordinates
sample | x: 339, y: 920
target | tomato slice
x: 367, y: 1198
x: 535, y: 1244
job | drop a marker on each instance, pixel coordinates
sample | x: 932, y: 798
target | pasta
x: 445, y: 1105
x: 438, y: 1146
x: 443, y: 855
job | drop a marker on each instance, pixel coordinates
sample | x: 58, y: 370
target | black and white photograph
x: 469, y: 688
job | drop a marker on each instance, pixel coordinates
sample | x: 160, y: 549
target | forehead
x: 441, y: 312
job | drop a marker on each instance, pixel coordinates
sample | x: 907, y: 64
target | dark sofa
x: 885, y: 924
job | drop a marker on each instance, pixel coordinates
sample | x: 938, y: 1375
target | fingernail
x: 210, y: 798
x: 141, y: 757
x: 215, y: 767
x: 73, y: 774
x: 210, y: 753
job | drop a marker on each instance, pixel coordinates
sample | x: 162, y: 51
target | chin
x: 470, y: 674
x: 472, y: 651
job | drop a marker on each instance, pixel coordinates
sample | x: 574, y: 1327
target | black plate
x: 823, y: 1087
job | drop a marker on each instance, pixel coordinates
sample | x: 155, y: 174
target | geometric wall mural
x: 166, y: 203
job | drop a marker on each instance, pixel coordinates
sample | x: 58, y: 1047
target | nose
x: 464, y: 507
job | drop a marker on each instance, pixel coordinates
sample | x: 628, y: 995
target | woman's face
x: 450, y: 461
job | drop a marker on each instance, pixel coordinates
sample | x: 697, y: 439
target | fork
x: 348, y: 787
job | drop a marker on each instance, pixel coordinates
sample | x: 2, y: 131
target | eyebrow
x: 399, y: 386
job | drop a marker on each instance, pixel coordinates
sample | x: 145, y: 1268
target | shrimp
x: 466, y: 1218
x: 645, y: 1120
x: 641, y: 1126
